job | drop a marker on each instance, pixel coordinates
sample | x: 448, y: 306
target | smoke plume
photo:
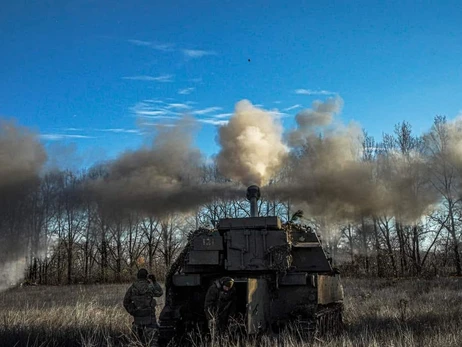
x: 313, y: 119
x: 444, y: 145
x: 331, y: 179
x: 404, y: 186
x: 327, y: 175
x: 161, y: 178
x: 252, y: 150
x: 21, y: 159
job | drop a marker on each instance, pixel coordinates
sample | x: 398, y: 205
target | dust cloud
x: 252, y: 149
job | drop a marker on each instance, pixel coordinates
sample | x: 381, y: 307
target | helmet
x: 142, y: 274
x: 227, y: 281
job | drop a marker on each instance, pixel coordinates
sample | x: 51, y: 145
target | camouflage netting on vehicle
x: 179, y: 261
x: 290, y: 227
x: 294, y: 229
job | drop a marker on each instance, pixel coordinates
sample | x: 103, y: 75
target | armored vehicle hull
x: 282, y: 278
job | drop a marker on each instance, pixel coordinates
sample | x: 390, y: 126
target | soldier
x: 220, y: 303
x: 139, y: 301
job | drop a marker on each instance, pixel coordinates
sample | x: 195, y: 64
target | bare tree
x: 446, y: 180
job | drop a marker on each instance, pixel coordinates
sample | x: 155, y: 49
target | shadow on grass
x: 66, y: 337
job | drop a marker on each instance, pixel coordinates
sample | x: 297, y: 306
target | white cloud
x: 164, y: 47
x: 169, y: 47
x: 153, y: 124
x: 213, y: 121
x: 196, y: 53
x: 277, y: 102
x: 314, y: 92
x: 72, y: 129
x: 140, y: 43
x: 55, y: 137
x: 121, y: 131
x: 154, y: 112
x: 206, y: 110
x: 149, y: 113
x: 156, y: 109
x: 161, y: 78
x: 154, y: 116
x: 186, y: 91
x: 155, y: 101
x: 178, y: 106
x: 292, y: 107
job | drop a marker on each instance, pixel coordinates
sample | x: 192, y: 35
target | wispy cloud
x: 277, y: 102
x: 206, y: 110
x: 155, y: 101
x: 55, y: 137
x: 178, y: 106
x: 148, y: 113
x: 164, y: 47
x: 161, y: 117
x: 157, y: 109
x: 121, y: 131
x: 140, y: 43
x: 169, y: 47
x: 186, y: 91
x: 197, y: 53
x: 314, y: 92
x: 161, y: 78
x: 213, y: 121
x: 154, y: 124
x: 162, y: 113
x: 292, y: 107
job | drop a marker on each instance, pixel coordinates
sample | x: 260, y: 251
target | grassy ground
x: 377, y: 313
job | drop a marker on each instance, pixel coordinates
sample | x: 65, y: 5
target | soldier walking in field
x: 140, y: 302
x: 220, y: 304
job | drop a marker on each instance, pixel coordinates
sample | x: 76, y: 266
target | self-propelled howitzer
x: 282, y: 276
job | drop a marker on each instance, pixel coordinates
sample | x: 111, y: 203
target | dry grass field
x: 377, y: 313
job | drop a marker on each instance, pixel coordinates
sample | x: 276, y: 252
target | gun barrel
x: 253, y: 195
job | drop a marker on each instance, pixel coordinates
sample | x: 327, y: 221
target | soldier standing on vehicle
x: 220, y: 303
x: 140, y: 302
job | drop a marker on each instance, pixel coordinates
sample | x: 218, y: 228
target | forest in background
x: 395, y: 210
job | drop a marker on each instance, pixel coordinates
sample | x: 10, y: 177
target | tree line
x: 65, y: 237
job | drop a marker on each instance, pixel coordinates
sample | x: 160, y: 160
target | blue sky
x: 90, y: 72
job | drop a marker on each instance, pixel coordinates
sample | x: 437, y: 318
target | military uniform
x: 220, y: 304
x: 140, y: 302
